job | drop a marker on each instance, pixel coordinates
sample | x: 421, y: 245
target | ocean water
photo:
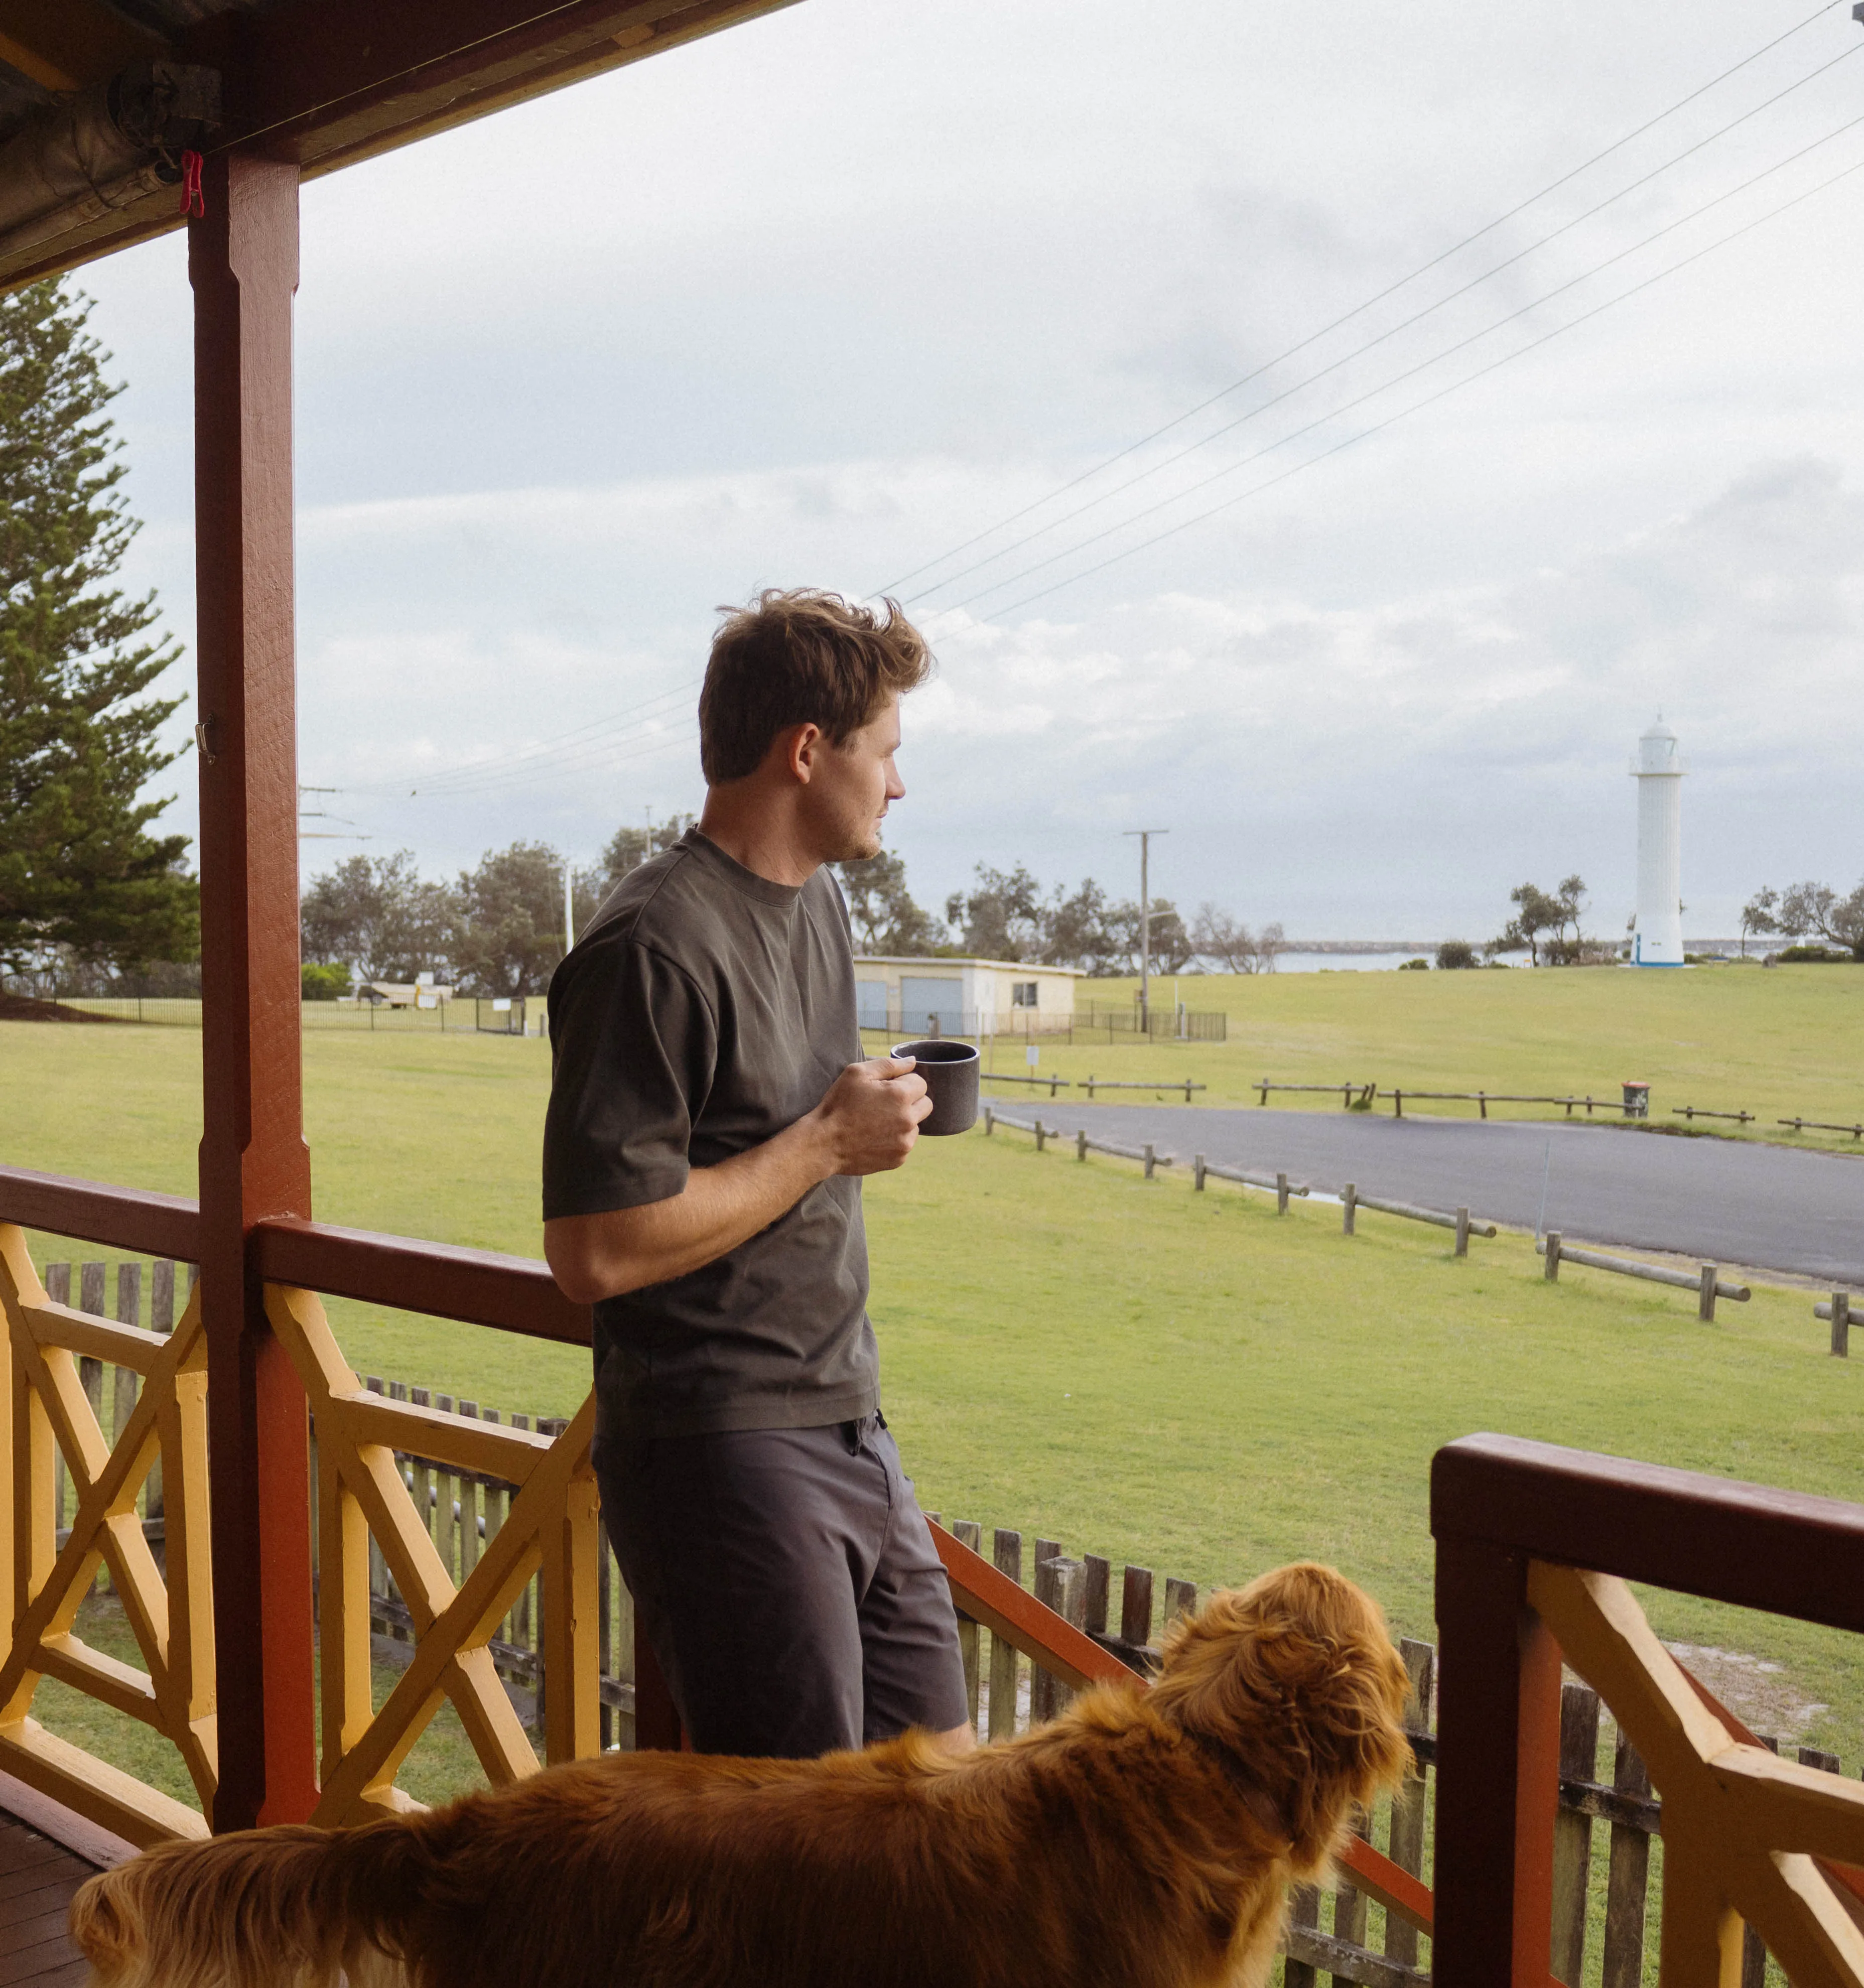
x: 1347, y: 962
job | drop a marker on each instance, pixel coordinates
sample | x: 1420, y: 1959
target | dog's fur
x: 1144, y: 1839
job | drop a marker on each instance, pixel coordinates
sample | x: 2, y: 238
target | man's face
x: 850, y: 785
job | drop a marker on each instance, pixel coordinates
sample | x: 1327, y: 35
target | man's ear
x: 795, y: 751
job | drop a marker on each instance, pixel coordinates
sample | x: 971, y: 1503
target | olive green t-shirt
x: 704, y: 1009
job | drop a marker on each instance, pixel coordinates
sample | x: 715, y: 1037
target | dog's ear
x: 1297, y: 1678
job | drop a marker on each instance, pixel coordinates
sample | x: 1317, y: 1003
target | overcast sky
x: 821, y: 298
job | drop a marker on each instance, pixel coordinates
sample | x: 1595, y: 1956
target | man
x: 710, y: 1118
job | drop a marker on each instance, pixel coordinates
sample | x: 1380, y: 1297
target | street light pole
x: 1145, y: 924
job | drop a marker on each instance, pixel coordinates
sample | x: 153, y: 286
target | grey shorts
x: 788, y: 1584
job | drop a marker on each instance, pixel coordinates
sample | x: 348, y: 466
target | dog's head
x: 1295, y: 1677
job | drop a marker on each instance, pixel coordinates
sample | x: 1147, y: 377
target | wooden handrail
x: 479, y: 1286
x: 1786, y: 1553
x: 120, y: 1218
x: 1007, y: 1609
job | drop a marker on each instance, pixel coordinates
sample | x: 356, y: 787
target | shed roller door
x: 922, y: 999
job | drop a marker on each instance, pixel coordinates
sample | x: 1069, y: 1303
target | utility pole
x: 1145, y: 923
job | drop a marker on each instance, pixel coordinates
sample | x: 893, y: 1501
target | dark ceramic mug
x: 950, y: 1071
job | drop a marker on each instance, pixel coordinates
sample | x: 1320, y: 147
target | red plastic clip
x: 192, y: 201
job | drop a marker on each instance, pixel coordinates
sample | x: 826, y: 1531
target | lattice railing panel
x: 48, y: 1416
x: 551, y: 1529
x: 1747, y: 1836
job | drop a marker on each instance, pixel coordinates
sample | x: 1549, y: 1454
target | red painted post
x: 1498, y: 1755
x: 243, y: 265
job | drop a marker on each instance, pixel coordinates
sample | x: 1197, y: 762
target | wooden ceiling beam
x: 63, y: 45
x: 327, y: 77
x: 445, y: 94
x: 329, y: 82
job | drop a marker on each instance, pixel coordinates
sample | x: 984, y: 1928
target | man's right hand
x: 870, y: 1115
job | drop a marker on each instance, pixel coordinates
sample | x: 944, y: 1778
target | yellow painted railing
x: 47, y: 1413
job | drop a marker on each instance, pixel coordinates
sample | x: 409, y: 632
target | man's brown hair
x: 802, y: 656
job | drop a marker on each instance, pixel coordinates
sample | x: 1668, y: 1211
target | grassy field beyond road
x: 1188, y: 1380
x: 1785, y: 1042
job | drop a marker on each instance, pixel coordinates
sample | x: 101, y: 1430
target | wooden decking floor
x: 45, y: 1854
x: 37, y: 1879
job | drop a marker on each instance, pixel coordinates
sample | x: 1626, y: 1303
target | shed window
x: 1023, y: 994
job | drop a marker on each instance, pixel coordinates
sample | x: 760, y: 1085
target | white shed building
x: 963, y: 997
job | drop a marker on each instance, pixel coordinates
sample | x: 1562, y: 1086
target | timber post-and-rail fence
x: 1362, y: 1097
x: 1706, y: 1281
x: 1535, y: 1545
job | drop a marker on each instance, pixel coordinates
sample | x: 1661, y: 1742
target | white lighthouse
x: 1658, y: 938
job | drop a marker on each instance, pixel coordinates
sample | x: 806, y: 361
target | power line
x: 558, y: 746
x: 1398, y: 379
x: 1359, y: 352
x: 560, y: 758
x: 1455, y: 387
x: 525, y: 775
x: 1359, y: 310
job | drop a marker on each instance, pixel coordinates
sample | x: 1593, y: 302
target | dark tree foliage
x: 1549, y: 918
x: 80, y: 875
x: 881, y: 908
x: 1231, y: 947
x: 376, y: 915
x: 1818, y: 908
x: 1172, y: 950
x: 1760, y: 915
x: 1001, y: 917
x: 508, y: 921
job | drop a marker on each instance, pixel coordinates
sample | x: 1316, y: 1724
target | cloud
x: 825, y: 297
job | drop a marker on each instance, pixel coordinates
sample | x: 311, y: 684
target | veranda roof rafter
x: 320, y: 84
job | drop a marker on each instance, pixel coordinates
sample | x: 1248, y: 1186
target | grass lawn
x: 1186, y: 1380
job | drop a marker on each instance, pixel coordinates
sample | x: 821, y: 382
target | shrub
x: 325, y: 983
x: 1811, y: 956
x: 1454, y: 953
x: 1414, y: 966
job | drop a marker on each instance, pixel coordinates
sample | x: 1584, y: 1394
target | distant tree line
x: 1546, y: 923
x: 1006, y: 914
x: 498, y: 928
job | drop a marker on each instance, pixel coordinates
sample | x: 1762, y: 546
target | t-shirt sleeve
x: 634, y: 1047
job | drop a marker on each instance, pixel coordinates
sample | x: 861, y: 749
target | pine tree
x: 79, y: 871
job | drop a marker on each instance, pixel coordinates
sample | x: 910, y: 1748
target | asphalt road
x: 1725, y: 1200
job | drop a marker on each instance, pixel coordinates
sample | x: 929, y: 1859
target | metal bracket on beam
x: 107, y: 147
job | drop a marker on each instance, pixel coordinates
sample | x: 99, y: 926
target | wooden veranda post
x: 243, y: 265
x: 1498, y: 1758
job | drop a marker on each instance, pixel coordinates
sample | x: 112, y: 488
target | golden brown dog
x: 1142, y: 1840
